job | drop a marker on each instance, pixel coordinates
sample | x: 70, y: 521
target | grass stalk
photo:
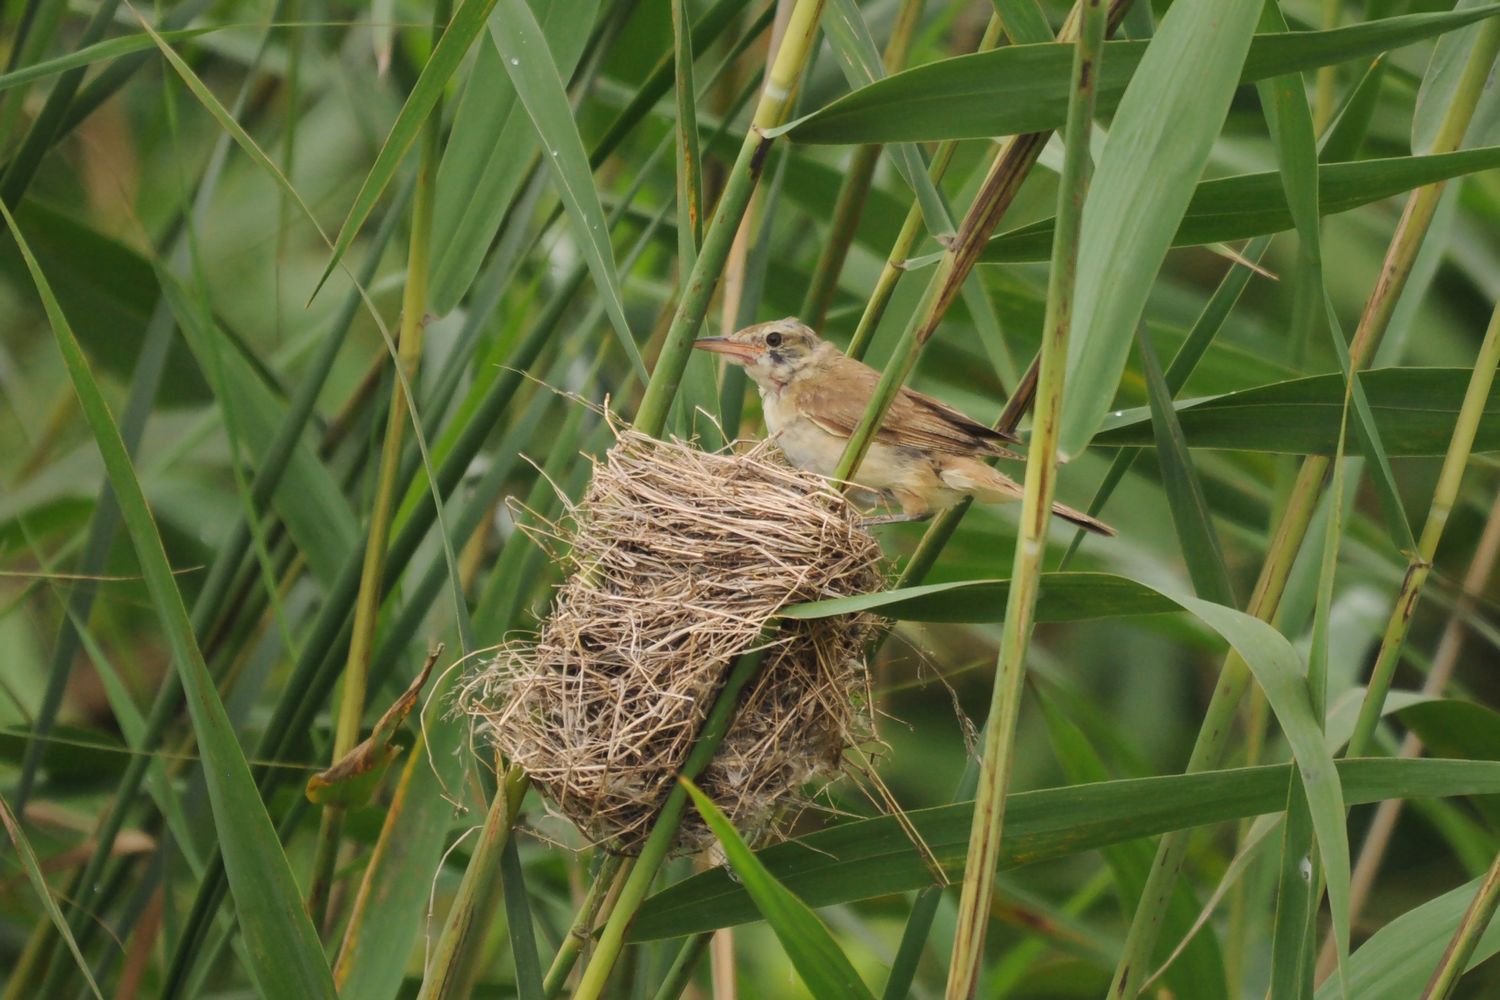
x: 796, y: 47
x: 613, y: 871
x: 1036, y: 506
x: 1460, y: 949
x: 1444, y: 496
x: 1010, y: 167
x: 824, y: 283
x: 664, y: 832
x: 448, y: 969
x: 1327, y: 76
x: 1292, y: 527
x: 911, y: 230
x: 1450, y: 645
x: 697, y: 290
x: 683, y: 967
x: 388, y: 493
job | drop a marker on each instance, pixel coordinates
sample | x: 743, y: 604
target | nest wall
x: 679, y: 561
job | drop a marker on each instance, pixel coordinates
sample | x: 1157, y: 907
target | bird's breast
x: 804, y: 443
x: 808, y: 446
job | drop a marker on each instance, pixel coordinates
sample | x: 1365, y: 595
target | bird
x: 925, y: 456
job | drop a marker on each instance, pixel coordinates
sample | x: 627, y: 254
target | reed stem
x: 697, y: 290
x: 388, y: 492
x: 664, y: 832
x: 1420, y: 565
x: 1036, y: 510
x: 1291, y: 530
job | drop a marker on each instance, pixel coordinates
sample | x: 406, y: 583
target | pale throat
x: 773, y: 381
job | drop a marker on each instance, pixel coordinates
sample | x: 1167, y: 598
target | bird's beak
x: 733, y: 349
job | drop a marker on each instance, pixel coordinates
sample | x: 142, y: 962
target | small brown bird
x: 926, y: 454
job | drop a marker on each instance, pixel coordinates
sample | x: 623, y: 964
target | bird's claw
x: 871, y: 522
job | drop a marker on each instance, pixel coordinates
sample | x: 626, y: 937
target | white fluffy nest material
x: 679, y: 558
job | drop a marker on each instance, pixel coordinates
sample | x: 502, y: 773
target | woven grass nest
x: 677, y: 560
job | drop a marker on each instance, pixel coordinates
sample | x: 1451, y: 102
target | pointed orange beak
x: 737, y: 352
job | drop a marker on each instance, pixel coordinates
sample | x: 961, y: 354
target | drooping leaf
x: 875, y: 857
x: 1024, y: 88
x: 1157, y: 147
x: 468, y: 21
x: 525, y: 56
x: 817, y: 958
x: 352, y: 779
x: 1236, y: 208
x: 488, y: 153
x: 286, y: 958
x: 1414, y: 410
x: 1396, y: 961
x: 1200, y: 967
x: 33, y: 870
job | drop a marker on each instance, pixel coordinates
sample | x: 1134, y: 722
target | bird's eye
x: 773, y: 339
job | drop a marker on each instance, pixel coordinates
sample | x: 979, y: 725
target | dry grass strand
x: 679, y: 558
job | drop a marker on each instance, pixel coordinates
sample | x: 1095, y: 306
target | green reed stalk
x: 664, y: 832
x: 613, y: 872
x: 911, y: 230
x: 1466, y: 936
x: 856, y: 188
x: 1450, y: 646
x: 1291, y: 530
x: 697, y: 290
x: 683, y: 966
x: 1420, y: 565
x: 1036, y: 509
x: 387, y: 492
x: 447, y: 970
x: 651, y: 417
x: 1012, y: 164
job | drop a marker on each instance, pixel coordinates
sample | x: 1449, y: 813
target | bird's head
x: 773, y: 354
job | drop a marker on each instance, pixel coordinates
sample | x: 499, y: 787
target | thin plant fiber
x: 678, y: 561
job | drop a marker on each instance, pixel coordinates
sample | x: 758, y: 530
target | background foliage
x: 225, y: 220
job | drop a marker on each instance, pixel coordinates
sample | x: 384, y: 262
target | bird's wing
x: 914, y: 420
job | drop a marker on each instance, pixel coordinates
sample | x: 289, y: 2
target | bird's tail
x: 989, y: 485
x: 1081, y: 519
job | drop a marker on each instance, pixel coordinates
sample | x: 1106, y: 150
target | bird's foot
x: 871, y: 522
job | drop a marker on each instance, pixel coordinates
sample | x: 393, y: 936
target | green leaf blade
x: 524, y: 54
x: 820, y: 962
x: 1024, y: 88
x: 285, y: 954
x: 446, y: 56
x: 1155, y: 153
x: 875, y: 857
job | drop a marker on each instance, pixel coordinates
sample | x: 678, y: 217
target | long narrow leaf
x: 1190, y: 515
x: 285, y: 955
x: 488, y: 153
x: 1236, y: 208
x: 1024, y: 88
x: 33, y: 869
x: 450, y: 50
x: 869, y: 858
x: 815, y: 955
x: 525, y: 56
x: 1414, y: 409
x: 1397, y: 959
x: 1155, y: 153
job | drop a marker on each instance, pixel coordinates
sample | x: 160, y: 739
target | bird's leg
x: 912, y: 509
x: 870, y: 522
